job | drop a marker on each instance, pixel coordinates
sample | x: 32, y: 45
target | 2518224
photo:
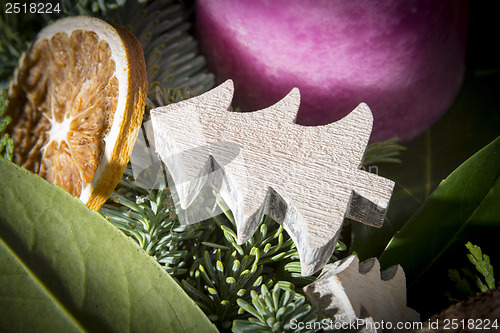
x: 32, y: 8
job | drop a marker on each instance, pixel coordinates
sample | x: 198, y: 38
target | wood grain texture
x: 348, y: 290
x: 261, y: 162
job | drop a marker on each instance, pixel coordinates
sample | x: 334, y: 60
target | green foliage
x: 175, y: 69
x: 6, y: 142
x: 466, y: 199
x: 461, y: 283
x: 482, y: 264
x: 226, y: 271
x: 275, y: 311
x: 100, y: 7
x: 218, y: 280
x: 205, y: 258
x: 64, y: 268
x: 148, y: 216
x: 13, y: 41
x: 383, y: 152
x: 165, y: 96
x: 212, y: 268
x: 469, y: 125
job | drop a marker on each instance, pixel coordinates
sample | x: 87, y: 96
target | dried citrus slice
x: 76, y: 102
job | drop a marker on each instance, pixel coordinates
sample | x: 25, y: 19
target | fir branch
x: 462, y: 284
x: 482, y: 263
x: 465, y: 280
x: 165, y: 96
x: 383, y: 152
x: 218, y: 279
x: 174, y: 65
x: 100, y: 7
x: 212, y: 268
x: 227, y: 271
x: 6, y: 142
x: 276, y: 250
x: 275, y: 311
x: 14, y: 40
x: 148, y: 217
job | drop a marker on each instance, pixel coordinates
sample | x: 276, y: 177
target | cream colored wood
x: 306, y: 177
x: 348, y: 290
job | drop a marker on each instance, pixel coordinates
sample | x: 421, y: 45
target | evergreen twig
x: 280, y: 310
x: 383, y: 152
x: 482, y: 263
x: 6, y: 142
x: 148, y: 216
x: 463, y: 282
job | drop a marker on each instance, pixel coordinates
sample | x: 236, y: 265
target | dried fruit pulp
x: 76, y: 101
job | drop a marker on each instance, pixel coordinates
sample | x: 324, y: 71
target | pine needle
x: 6, y: 142
x: 383, y: 152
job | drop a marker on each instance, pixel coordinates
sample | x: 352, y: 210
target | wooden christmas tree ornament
x: 307, y: 178
x: 348, y: 290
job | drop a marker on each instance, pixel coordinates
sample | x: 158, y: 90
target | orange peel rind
x: 76, y: 101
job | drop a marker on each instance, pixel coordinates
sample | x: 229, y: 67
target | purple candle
x: 405, y: 59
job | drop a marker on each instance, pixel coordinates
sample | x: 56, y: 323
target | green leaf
x: 64, y: 268
x: 465, y: 201
x: 470, y: 124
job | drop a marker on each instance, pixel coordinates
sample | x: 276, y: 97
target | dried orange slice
x: 76, y: 102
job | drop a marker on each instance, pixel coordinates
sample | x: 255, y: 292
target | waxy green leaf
x: 468, y: 199
x: 470, y: 124
x: 64, y: 268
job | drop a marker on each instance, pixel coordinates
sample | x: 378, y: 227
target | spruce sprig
x: 218, y: 279
x: 464, y: 280
x: 277, y: 311
x: 205, y: 258
x: 101, y: 6
x: 175, y: 67
x: 383, y: 152
x: 13, y: 41
x: 6, y: 142
x: 482, y: 263
x: 148, y: 216
x: 226, y: 271
x: 212, y: 268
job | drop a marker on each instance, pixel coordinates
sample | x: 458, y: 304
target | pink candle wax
x: 405, y: 59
